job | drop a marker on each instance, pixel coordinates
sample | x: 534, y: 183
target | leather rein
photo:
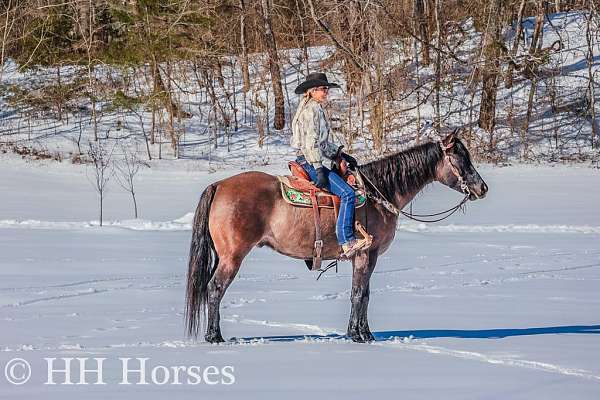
x: 380, y: 199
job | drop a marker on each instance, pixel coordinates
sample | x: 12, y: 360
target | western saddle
x: 298, y: 190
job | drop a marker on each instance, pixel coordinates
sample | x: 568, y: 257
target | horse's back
x: 253, y: 190
x: 249, y: 183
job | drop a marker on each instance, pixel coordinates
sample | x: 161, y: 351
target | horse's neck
x: 401, y: 176
x: 401, y: 200
x: 424, y: 159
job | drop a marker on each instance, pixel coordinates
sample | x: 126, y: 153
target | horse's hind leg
x: 222, y: 278
x: 358, y: 327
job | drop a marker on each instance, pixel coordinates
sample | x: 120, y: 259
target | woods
x: 168, y: 71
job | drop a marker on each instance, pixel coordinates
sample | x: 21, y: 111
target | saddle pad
x: 299, y: 196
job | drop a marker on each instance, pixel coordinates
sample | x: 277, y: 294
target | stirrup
x: 358, y: 244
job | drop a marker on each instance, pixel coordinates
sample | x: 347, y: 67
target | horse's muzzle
x: 478, y: 191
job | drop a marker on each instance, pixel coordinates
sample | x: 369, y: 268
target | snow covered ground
x: 499, y: 303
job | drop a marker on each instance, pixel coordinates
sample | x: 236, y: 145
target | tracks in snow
x: 395, y: 343
x: 497, y: 360
x: 167, y: 282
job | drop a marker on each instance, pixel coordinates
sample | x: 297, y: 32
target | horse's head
x: 456, y: 170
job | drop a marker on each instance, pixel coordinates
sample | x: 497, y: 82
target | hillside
x: 47, y: 111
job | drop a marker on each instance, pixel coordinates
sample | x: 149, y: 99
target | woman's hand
x: 352, y: 163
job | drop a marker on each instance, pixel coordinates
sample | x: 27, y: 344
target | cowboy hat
x: 315, y: 79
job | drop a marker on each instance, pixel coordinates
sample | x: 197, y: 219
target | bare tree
x: 421, y: 29
x: 244, y: 44
x: 279, y: 121
x: 590, y: 60
x: 87, y: 29
x: 7, y: 28
x: 126, y: 171
x: 491, y: 69
x: 438, y: 62
x: 531, y: 71
x: 508, y: 82
x: 103, y: 171
x: 303, y: 32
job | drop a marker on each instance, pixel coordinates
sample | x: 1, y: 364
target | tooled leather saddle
x: 298, y: 190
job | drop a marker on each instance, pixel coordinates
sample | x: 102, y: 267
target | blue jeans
x: 344, y: 229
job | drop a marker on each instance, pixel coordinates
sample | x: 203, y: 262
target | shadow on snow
x: 441, y: 333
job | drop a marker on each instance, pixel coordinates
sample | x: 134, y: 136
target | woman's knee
x: 348, y: 194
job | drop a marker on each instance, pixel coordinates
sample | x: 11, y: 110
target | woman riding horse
x: 316, y: 149
x: 247, y: 210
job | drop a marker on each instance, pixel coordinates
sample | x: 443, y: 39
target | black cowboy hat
x: 315, y: 79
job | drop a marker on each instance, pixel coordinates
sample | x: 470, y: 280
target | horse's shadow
x: 442, y: 333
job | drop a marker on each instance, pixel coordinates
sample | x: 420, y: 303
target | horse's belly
x: 292, y: 232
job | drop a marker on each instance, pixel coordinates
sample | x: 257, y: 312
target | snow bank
x: 184, y: 223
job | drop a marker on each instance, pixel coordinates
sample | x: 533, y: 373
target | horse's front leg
x: 358, y: 327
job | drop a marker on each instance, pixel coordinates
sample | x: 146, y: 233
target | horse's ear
x: 448, y: 141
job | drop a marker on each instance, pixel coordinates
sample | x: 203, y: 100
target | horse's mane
x: 404, y: 171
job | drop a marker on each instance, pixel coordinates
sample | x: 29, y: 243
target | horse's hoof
x: 214, y: 338
x: 356, y: 337
x: 367, y: 337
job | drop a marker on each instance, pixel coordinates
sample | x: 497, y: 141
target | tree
x: 491, y: 69
x: 103, y: 171
x: 420, y: 23
x: 244, y: 44
x: 589, y: 35
x: 127, y: 169
x: 515, y: 47
x: 266, y: 7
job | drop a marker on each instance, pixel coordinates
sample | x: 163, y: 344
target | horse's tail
x: 202, y: 264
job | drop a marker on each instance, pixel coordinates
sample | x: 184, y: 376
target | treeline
x: 399, y: 59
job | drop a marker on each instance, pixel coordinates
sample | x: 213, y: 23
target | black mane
x: 404, y: 171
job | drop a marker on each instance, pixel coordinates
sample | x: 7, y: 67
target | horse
x: 247, y: 210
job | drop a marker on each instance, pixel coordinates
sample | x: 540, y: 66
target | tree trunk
x: 279, y: 121
x: 101, y: 205
x: 438, y: 63
x: 531, y: 71
x: 491, y: 69
x: 377, y: 116
x: 6, y: 32
x: 244, y: 58
x: 589, y: 35
x: 301, y: 14
x: 513, y: 51
x: 84, y: 11
x: 421, y: 30
x: 135, y: 208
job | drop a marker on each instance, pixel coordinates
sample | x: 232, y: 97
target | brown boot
x: 353, y: 246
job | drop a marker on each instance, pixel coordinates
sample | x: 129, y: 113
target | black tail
x: 203, y: 262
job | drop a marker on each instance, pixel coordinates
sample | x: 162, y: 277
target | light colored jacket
x: 311, y: 133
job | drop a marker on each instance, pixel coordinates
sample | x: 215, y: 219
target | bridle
x: 380, y: 199
x: 454, y: 170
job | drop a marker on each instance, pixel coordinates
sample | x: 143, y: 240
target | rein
x: 418, y: 217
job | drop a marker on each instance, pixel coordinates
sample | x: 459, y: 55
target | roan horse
x: 227, y: 225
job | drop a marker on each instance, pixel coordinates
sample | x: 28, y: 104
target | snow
x: 499, y: 302
x: 560, y: 128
